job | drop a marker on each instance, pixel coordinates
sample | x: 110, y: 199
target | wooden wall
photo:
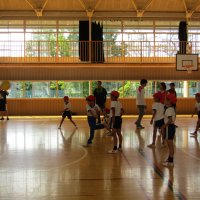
x: 32, y: 107
x: 94, y: 72
x: 87, y: 71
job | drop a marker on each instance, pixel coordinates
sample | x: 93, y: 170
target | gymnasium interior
x: 55, y: 48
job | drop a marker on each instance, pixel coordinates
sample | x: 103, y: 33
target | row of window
x: 60, y: 38
x: 81, y: 89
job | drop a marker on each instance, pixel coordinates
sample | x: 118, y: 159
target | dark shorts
x: 118, y: 123
x: 198, y: 114
x: 159, y: 123
x: 170, y: 132
x: 2, y: 107
x: 67, y: 114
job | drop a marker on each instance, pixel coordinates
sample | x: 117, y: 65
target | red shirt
x: 163, y: 96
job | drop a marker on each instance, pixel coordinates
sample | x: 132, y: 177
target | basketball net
x: 188, y: 68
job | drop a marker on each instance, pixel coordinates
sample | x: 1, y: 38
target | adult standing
x: 172, y: 89
x: 3, y: 104
x: 100, y: 94
x: 140, y: 102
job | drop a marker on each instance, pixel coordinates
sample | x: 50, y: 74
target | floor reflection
x: 38, y: 161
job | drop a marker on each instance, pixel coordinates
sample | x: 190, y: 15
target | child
x: 173, y: 91
x: 140, y: 102
x: 169, y: 126
x: 93, y: 112
x: 106, y: 120
x: 197, y: 110
x: 67, y: 112
x: 157, y: 117
x: 116, y: 121
x: 3, y: 103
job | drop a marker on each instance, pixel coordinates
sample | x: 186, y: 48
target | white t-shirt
x: 118, y: 106
x: 92, y: 109
x: 67, y: 106
x: 159, y: 107
x: 197, y: 105
x: 140, y: 96
x: 169, y: 112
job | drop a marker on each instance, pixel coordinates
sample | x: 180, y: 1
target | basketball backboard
x: 187, y: 62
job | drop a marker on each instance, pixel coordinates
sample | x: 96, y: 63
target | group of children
x: 112, y: 119
x: 163, y: 117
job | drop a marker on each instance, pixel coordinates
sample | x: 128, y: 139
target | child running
x: 197, y: 110
x: 67, y: 112
x: 157, y: 117
x: 169, y: 126
x: 93, y: 111
x: 116, y: 112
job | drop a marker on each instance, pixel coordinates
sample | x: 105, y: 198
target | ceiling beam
x: 185, y: 5
x: 38, y: 10
x: 140, y: 13
x: 98, y: 15
x: 97, y: 4
x: 30, y: 4
x: 189, y: 12
x: 197, y: 5
x: 134, y: 4
x: 45, y: 3
x: 83, y: 4
x: 147, y: 4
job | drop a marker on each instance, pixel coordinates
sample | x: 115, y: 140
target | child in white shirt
x: 93, y: 112
x: 67, y: 112
x: 197, y: 110
x: 170, y: 128
x: 116, y: 122
x: 140, y: 102
x: 157, y: 117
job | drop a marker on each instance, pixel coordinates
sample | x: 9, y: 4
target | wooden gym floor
x: 40, y: 162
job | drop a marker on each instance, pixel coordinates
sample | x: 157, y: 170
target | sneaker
x: 7, y: 118
x: 151, y: 145
x: 2, y: 118
x: 168, y: 164
x: 113, y: 151
x: 140, y: 127
x: 87, y: 145
x: 59, y: 127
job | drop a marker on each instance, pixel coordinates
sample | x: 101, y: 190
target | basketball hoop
x: 188, y: 68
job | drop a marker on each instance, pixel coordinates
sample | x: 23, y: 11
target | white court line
x: 190, y: 155
x: 53, y: 168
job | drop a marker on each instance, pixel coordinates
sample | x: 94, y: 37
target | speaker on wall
x: 97, y: 53
x: 84, y: 40
x: 182, y: 35
x: 97, y: 43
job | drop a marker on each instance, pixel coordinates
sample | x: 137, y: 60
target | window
x: 194, y: 87
x: 110, y: 86
x: 73, y: 89
x: 48, y: 89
